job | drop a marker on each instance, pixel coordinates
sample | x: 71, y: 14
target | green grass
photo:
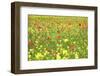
x: 57, y: 37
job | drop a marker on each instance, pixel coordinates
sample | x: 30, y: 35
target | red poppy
x: 58, y: 37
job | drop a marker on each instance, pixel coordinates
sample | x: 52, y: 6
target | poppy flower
x: 58, y: 37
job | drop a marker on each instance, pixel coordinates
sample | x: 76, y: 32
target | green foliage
x: 57, y: 37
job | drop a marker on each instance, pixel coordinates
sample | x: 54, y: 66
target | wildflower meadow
x: 57, y: 37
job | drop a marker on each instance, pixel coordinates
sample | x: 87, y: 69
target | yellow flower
x: 41, y: 46
x: 64, y: 58
x: 57, y: 44
x: 60, y: 40
x: 31, y: 50
x: 87, y: 48
x: 58, y: 48
x: 65, y: 52
x: 44, y: 48
x: 74, y: 42
x: 36, y: 41
x: 29, y: 56
x: 46, y: 52
x: 38, y: 56
x: 76, y: 55
x: 39, y: 37
x: 36, y: 47
x: 65, y: 40
x: 68, y: 47
x: 58, y: 56
x: 61, y: 49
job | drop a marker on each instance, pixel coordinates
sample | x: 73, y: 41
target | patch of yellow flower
x: 76, y: 55
x: 58, y: 56
x: 36, y: 41
x: 59, y: 40
x: 38, y: 56
x: 44, y: 48
x: 45, y: 53
x: 36, y: 46
x: 41, y: 46
x: 29, y: 56
x: 31, y: 50
x: 65, y: 52
x: 74, y: 42
x: 38, y: 37
x: 65, y: 40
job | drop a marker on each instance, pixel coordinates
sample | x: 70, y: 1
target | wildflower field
x: 57, y: 37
